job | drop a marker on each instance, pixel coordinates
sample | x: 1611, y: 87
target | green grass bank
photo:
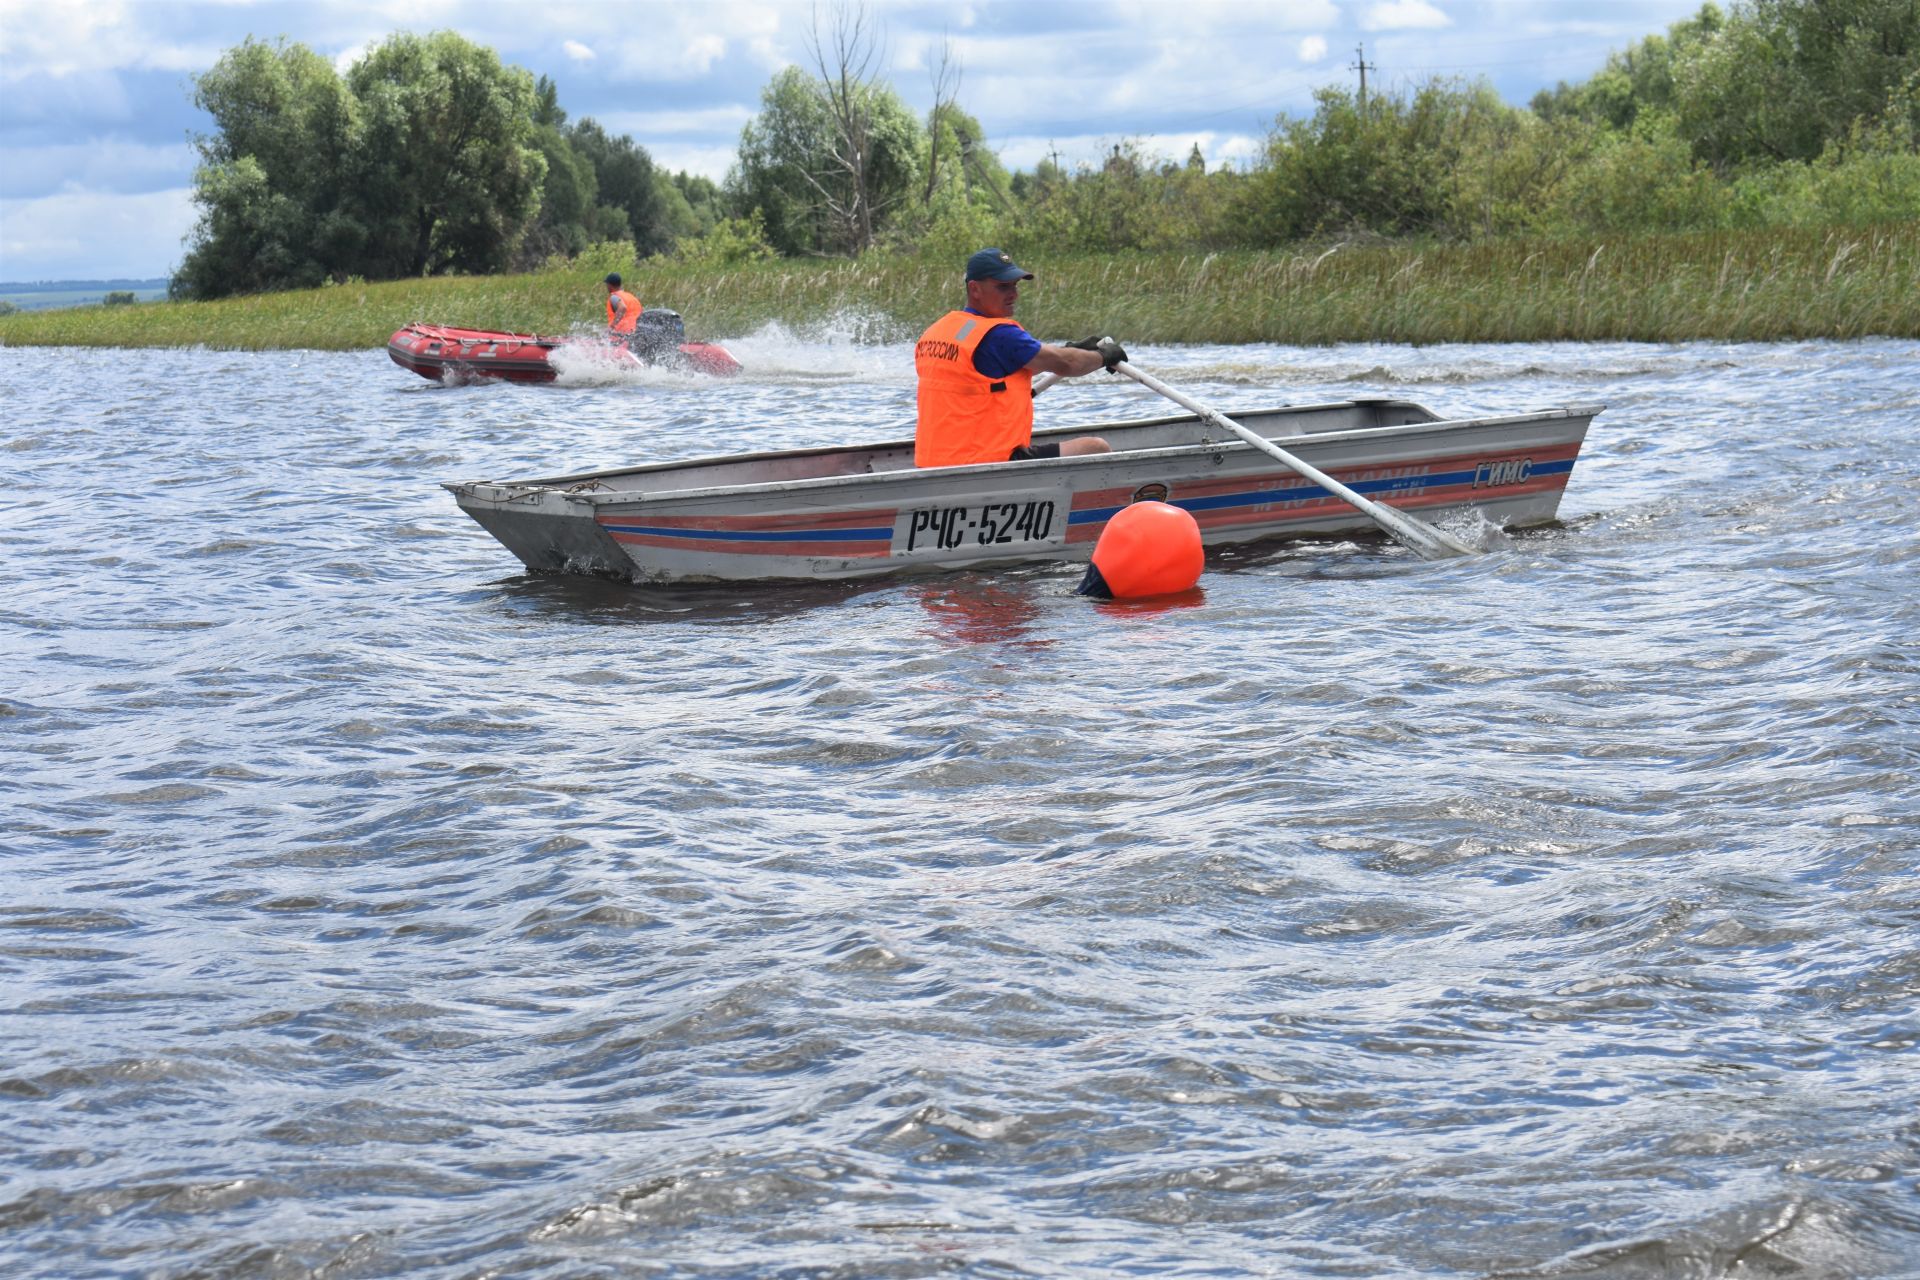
x: 1771, y: 285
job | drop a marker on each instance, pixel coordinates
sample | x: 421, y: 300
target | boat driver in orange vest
x: 976, y: 370
x: 623, y: 310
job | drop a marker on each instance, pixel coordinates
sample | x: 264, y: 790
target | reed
x: 1772, y: 285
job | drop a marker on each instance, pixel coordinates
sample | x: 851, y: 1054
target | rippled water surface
x: 373, y: 908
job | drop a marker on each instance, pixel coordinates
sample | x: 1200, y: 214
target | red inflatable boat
x: 448, y: 354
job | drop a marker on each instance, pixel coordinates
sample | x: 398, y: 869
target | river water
x: 373, y: 908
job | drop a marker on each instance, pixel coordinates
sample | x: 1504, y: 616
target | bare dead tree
x: 945, y: 73
x: 844, y: 54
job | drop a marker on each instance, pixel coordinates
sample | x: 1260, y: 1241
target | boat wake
x: 1427, y: 368
x: 847, y: 346
x: 592, y: 364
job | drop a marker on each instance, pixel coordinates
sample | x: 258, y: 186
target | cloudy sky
x: 96, y: 113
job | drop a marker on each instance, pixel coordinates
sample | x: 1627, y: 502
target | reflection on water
x: 563, y: 596
x: 376, y: 909
x: 969, y: 609
x: 1192, y: 598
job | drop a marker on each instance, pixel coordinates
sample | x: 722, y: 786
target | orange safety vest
x: 625, y: 323
x: 965, y: 416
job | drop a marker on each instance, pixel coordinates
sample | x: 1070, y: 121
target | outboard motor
x: 659, y: 332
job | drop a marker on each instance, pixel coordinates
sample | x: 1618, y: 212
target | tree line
x: 427, y: 156
x: 430, y: 156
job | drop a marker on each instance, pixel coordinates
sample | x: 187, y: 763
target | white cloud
x: 577, y: 51
x: 98, y: 165
x: 1238, y: 150
x: 80, y: 235
x: 687, y: 42
x: 703, y: 52
x: 657, y: 59
x: 61, y: 37
x: 1312, y: 49
x: 1155, y: 18
x: 1397, y: 15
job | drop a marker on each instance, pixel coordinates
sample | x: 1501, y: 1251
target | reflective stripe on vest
x: 623, y: 323
x: 965, y: 416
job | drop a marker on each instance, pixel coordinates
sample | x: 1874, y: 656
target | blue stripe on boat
x: 1306, y: 490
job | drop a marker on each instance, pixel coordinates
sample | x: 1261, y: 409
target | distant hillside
x: 39, y: 295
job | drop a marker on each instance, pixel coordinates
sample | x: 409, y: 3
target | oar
x: 1422, y: 537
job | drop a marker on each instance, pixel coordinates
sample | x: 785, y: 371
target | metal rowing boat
x: 865, y: 510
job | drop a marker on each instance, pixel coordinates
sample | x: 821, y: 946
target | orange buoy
x: 1147, y: 549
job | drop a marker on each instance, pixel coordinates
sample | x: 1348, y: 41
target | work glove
x: 1111, y: 352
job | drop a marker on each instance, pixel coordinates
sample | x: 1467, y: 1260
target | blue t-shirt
x: 1006, y: 349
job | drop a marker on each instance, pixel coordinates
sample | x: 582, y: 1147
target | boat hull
x: 825, y: 514
x: 447, y: 354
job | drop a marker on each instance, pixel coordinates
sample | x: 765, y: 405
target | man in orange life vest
x: 976, y: 370
x: 623, y: 310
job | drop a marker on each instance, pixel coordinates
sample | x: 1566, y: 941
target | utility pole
x: 1362, y: 66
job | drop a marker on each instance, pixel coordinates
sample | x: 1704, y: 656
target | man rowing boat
x: 976, y: 369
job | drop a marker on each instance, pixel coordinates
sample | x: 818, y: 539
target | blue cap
x: 994, y: 264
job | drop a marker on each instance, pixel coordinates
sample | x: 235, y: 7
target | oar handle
x: 1419, y: 535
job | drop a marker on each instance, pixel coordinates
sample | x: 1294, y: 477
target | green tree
x: 569, y: 218
x: 1637, y: 79
x: 970, y: 164
x: 1784, y: 78
x: 275, y: 181
x: 779, y: 149
x: 1383, y: 168
x: 429, y: 155
x: 628, y: 182
x: 450, y: 177
x: 966, y: 196
x: 729, y: 242
x: 1870, y: 176
x: 1643, y: 179
x: 1762, y: 82
x: 1508, y: 167
x: 1047, y: 173
x: 832, y: 157
x: 1132, y: 200
x: 568, y: 192
x: 694, y: 203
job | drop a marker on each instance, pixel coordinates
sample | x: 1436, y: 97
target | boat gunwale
x: 520, y: 491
